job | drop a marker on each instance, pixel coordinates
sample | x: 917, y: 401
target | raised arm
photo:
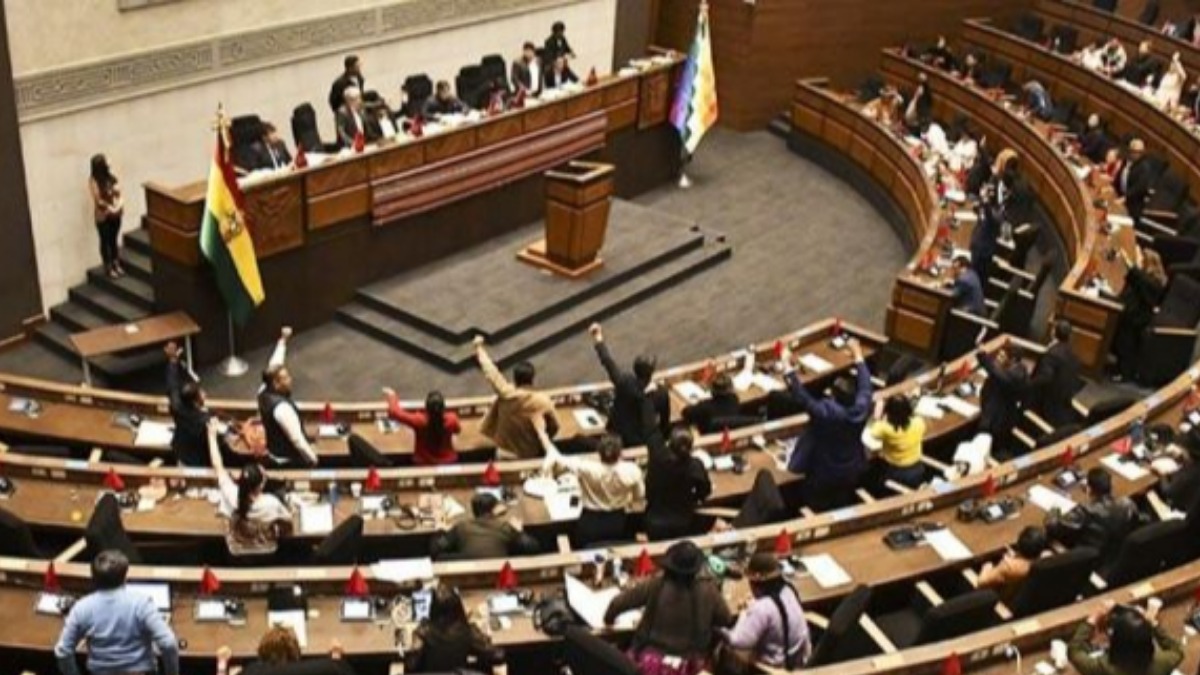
x: 606, y: 359
x: 279, y: 354
x: 396, y: 411
x: 494, y: 377
x: 175, y: 376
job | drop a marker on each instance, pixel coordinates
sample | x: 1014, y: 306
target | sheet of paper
x: 294, y: 619
x: 959, y: 406
x: 151, y: 434
x: 316, y: 518
x: 966, y: 216
x: 591, y: 605
x: 1047, y: 499
x: 690, y: 391
x: 328, y: 431
x: 767, y: 383
x: 47, y: 603
x: 1119, y: 220
x: 956, y: 196
x: 825, y: 570
x: 401, y: 571
x: 210, y: 610
x: 1130, y: 471
x: 948, y: 546
x: 372, y: 503
x: 743, y: 380
x: 355, y: 609
x: 815, y: 364
x: 588, y: 419
x: 559, y: 506
x: 928, y: 408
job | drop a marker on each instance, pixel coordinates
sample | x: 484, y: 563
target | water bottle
x: 1137, y: 433
x: 333, y: 494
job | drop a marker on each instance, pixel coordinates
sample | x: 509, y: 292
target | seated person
x: 899, y: 434
x: 1007, y: 575
x: 940, y: 56
x: 1136, y: 644
x: 447, y: 642
x: 257, y: 519
x: 966, y: 287
x: 379, y: 120
x: 559, y: 74
x: 509, y: 422
x: 1181, y: 489
x: 676, y: 484
x: 683, y: 609
x: 1102, y: 523
x: 443, y: 102
x: 772, y: 628
x: 349, y: 120
x: 433, y: 428
x: 489, y: 534
x: 279, y: 653
x: 1094, y: 144
x: 272, y: 150
x: 723, y: 402
x: 610, y: 489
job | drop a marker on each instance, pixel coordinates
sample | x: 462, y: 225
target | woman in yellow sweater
x: 899, y: 435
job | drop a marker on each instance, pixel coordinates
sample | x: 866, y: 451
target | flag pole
x: 684, y: 181
x: 233, y: 366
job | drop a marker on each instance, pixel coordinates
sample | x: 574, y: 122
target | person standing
x: 1001, y: 397
x: 107, y: 208
x: 122, y: 627
x: 433, y: 429
x: 557, y: 45
x: 1056, y: 379
x: 286, y: 440
x: 638, y: 407
x: 1145, y: 282
x: 527, y: 71
x: 351, y: 77
x: 509, y: 422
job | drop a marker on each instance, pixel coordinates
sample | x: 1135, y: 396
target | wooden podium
x: 578, y: 200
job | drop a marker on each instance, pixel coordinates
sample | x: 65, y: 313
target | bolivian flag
x: 694, y: 110
x: 224, y: 239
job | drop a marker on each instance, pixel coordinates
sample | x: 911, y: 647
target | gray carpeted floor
x: 806, y: 247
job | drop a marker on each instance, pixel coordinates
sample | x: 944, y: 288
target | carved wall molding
x: 61, y: 91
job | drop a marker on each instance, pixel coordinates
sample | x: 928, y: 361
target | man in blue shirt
x: 830, y: 453
x: 966, y: 287
x: 122, y: 627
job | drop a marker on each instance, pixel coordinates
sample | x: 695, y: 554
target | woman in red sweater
x: 433, y: 428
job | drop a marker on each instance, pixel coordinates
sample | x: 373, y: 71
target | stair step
x: 455, y: 357
x: 102, y: 303
x: 76, y: 317
x: 137, y: 264
x: 138, y: 240
x: 129, y: 288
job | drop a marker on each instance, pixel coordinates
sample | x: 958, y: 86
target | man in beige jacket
x: 509, y: 422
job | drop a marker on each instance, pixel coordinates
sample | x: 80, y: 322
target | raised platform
x: 433, y: 314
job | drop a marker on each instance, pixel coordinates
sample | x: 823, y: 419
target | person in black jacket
x: 638, y: 406
x: 985, y: 238
x: 1134, y: 180
x: 1181, y: 489
x: 1145, y: 281
x: 722, y: 403
x: 190, y: 417
x: 557, y: 44
x: 676, y: 483
x: 351, y: 77
x: 1056, y: 379
x: 1094, y: 143
x: 1101, y: 524
x: 447, y: 642
x: 1000, y: 399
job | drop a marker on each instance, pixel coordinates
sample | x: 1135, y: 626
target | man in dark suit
x: 351, y: 77
x: 349, y: 119
x: 559, y: 74
x: 272, y: 150
x: 557, y: 45
x: 189, y: 415
x: 526, y: 71
x: 966, y: 287
x: 984, y: 238
x: 1003, y: 392
x: 1094, y: 143
x: 1056, y: 379
x: 722, y: 404
x: 1134, y: 180
x: 443, y: 102
x: 1142, y: 67
x: 638, y: 408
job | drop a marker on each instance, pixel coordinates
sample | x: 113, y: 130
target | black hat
x: 683, y: 559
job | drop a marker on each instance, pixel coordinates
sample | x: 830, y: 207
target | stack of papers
x: 959, y: 406
x: 767, y: 383
x: 1047, y: 499
x: 1130, y: 471
x: 948, y: 546
x: 591, y: 605
x: 825, y: 570
x: 815, y: 364
x: 316, y: 518
x: 928, y: 408
x: 690, y: 391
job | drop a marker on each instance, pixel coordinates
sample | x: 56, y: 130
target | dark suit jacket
x: 968, y: 293
x: 556, y: 45
x: 1134, y: 182
x: 190, y: 440
x: 553, y: 80
x: 348, y: 127
x: 522, y: 77
x: 633, y: 417
x: 436, y: 107
x: 1054, y: 384
x: 702, y: 414
x: 338, y: 89
x: 1000, y: 400
x: 279, y: 159
x: 1094, y: 144
x: 1141, y: 67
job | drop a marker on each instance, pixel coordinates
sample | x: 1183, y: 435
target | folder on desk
x: 690, y: 391
x: 152, y: 434
x: 825, y: 570
x: 316, y: 518
x: 815, y: 364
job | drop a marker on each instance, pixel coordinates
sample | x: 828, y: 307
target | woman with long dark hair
x: 257, y: 518
x: 676, y: 484
x: 1137, y: 645
x: 447, y: 641
x: 434, y: 428
x: 107, y: 209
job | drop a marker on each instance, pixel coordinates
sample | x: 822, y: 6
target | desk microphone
x: 1011, y: 652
